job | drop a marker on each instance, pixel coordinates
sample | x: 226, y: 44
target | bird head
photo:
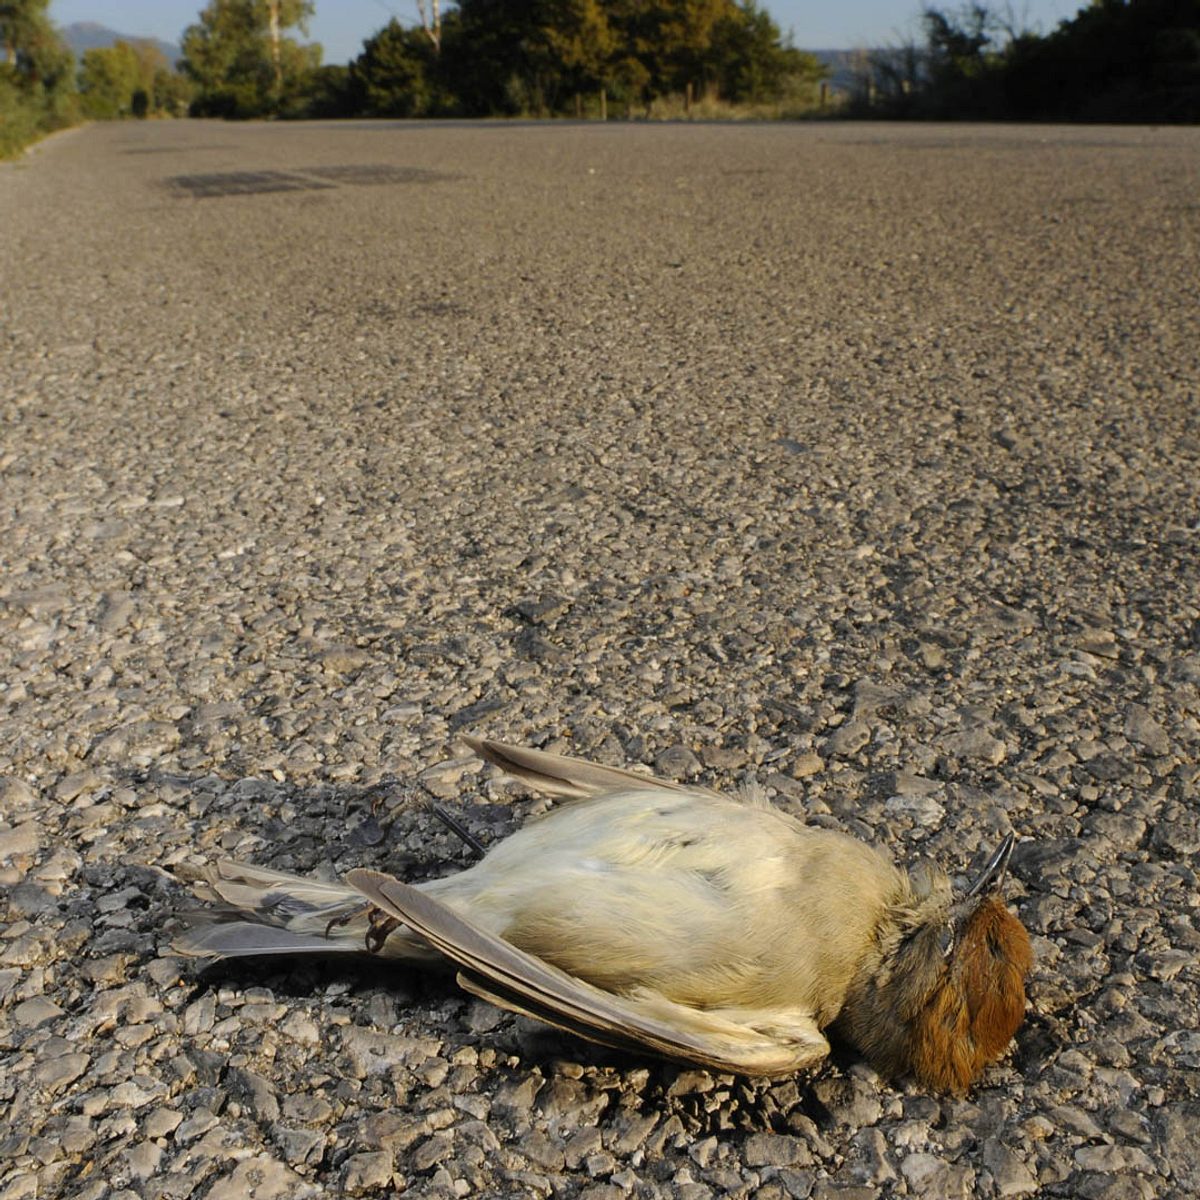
x: 946, y: 991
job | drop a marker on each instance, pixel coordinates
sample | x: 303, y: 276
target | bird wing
x: 506, y: 975
x: 567, y: 777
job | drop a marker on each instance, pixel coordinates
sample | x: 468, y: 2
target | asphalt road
x: 859, y: 461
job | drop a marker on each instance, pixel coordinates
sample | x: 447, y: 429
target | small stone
x: 200, y: 1015
x: 687, y: 1083
x: 543, y: 1151
x: 136, y: 1093
x: 1142, y: 728
x: 143, y: 1159
x: 1012, y: 1176
x: 582, y: 1145
x: 1129, y: 1124
x: 828, y: 1190
x: 847, y: 739
x: 56, y: 1073
x: 1100, y: 642
x: 35, y: 1011
x: 367, y: 1172
x: 922, y: 1171
x: 161, y: 1122
x: 311, y: 1109
x: 977, y: 743
x: 298, y: 1146
x: 1075, y: 1120
x: 24, y: 1186
x: 775, y: 1150
x: 932, y: 656
x: 602, y: 1191
x: 16, y: 796
x: 807, y: 764
x: 258, y: 1091
x: 301, y: 1028
x: 343, y: 660
x: 432, y: 1151
x: 851, y: 1101
x: 601, y: 1163
x: 630, y: 1131
x: 393, y: 1131
x: 924, y: 810
x: 21, y: 841
x: 1111, y: 1160
x: 541, y: 610
x: 676, y: 762
x: 261, y: 1178
x: 799, y: 1184
x: 198, y: 1124
x: 872, y: 1163
x: 77, y: 784
x: 723, y: 758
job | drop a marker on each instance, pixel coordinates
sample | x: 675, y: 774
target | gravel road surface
x: 859, y: 461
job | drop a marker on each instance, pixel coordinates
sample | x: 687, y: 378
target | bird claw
x: 379, y: 925
x: 345, y: 918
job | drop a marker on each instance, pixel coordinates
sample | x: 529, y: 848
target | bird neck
x: 877, y: 1014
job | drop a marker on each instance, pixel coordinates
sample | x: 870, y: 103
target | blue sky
x: 342, y: 25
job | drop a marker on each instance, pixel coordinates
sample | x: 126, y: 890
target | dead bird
x: 646, y: 914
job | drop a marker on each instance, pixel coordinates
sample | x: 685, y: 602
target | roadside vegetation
x: 37, y: 77
x: 1115, y: 60
x: 481, y: 58
x: 44, y: 88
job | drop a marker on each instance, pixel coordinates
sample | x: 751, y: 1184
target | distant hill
x: 88, y: 35
x: 841, y: 65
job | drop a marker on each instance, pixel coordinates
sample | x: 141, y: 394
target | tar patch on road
x: 306, y: 179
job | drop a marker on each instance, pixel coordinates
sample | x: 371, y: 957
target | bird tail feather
x: 263, y: 912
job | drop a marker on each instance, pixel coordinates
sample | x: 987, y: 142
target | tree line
x: 498, y: 57
x: 1114, y: 61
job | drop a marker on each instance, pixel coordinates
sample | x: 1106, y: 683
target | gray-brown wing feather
x: 567, y: 777
x: 507, y: 975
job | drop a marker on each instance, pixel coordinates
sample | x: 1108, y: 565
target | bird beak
x: 992, y: 875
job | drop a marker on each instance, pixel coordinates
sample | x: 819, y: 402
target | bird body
x: 644, y: 913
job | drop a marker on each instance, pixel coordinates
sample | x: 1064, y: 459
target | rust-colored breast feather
x: 974, y: 1012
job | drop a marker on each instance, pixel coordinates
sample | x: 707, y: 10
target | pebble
x: 367, y: 1172
x: 21, y: 841
x: 1012, y: 1176
x: 847, y: 740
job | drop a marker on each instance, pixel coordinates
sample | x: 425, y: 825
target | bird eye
x: 946, y: 940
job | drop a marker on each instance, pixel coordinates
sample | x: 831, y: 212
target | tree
x: 37, y: 76
x: 35, y: 56
x: 124, y: 79
x: 1116, y: 60
x: 391, y: 77
x: 749, y: 63
x: 242, y: 64
x: 108, y: 78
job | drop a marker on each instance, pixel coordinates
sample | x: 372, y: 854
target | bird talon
x: 345, y: 918
x: 379, y: 925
